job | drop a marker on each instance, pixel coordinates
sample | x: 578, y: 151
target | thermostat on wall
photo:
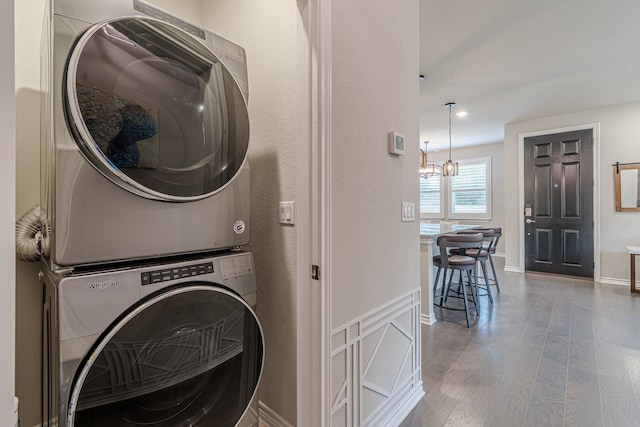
x: 396, y: 143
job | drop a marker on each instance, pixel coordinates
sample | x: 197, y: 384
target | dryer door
x: 189, y: 356
x: 155, y: 111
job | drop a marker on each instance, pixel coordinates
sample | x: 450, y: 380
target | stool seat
x: 471, y: 252
x: 455, y: 260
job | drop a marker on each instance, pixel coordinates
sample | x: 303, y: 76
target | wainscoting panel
x: 375, y: 365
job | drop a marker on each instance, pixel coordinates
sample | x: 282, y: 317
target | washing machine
x: 145, y: 132
x: 160, y: 344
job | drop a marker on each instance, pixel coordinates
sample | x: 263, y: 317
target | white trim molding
x: 428, y: 319
x: 513, y: 269
x: 376, y: 365
x: 616, y: 281
x: 314, y: 220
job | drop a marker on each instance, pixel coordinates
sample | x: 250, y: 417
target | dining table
x: 429, y: 232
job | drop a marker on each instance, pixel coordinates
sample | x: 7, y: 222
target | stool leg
x: 444, y: 285
x: 466, y: 305
x: 435, y: 283
x: 483, y: 264
x: 495, y: 276
x: 446, y: 294
x: 474, y: 291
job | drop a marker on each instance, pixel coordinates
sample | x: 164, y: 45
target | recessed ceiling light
x: 462, y: 113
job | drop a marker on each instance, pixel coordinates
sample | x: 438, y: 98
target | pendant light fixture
x: 427, y: 169
x: 450, y: 168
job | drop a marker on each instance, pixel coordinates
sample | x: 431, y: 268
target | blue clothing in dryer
x: 137, y: 125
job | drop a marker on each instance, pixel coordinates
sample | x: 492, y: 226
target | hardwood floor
x: 551, y: 351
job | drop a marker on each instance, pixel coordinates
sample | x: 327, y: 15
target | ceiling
x: 507, y: 61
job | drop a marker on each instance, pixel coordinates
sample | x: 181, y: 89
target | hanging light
x: 428, y: 169
x: 450, y: 168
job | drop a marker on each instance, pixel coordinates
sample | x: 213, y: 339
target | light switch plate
x: 287, y: 213
x: 408, y: 211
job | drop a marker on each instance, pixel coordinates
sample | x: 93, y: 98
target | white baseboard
x: 618, y: 282
x: 400, y: 412
x: 512, y: 269
x: 426, y: 319
x: 270, y: 417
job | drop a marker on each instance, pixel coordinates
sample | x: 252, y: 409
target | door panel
x: 543, y: 191
x: 571, y: 190
x: 559, y: 193
x: 543, y: 242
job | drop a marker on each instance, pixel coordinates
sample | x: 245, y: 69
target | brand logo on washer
x: 101, y: 286
x: 239, y: 226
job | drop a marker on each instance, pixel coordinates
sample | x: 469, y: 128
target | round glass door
x: 155, y: 111
x: 191, y: 356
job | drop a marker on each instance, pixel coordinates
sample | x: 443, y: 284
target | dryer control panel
x: 166, y: 274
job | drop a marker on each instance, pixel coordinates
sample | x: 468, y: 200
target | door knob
x: 529, y: 221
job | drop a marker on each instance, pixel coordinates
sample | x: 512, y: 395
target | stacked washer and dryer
x: 149, y: 300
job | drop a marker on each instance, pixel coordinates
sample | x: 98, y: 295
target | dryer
x: 145, y: 132
x: 160, y: 344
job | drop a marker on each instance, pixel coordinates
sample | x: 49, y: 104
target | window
x: 431, y: 200
x: 464, y: 196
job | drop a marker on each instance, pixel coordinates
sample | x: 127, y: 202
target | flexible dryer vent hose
x: 29, y: 240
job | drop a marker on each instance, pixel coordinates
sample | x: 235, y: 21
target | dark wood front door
x: 559, y: 203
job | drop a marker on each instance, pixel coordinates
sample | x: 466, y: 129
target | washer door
x: 155, y: 111
x: 190, y: 356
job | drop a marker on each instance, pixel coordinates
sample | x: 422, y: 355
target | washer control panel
x: 165, y: 274
x: 235, y: 267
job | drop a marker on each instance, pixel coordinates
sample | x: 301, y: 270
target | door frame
x: 313, y: 297
x: 595, y: 128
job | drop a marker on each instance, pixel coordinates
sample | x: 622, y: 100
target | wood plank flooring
x: 551, y: 351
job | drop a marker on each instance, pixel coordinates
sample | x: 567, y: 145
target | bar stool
x: 482, y: 255
x: 461, y: 262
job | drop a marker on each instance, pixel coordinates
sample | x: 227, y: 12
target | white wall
x: 619, y: 141
x: 375, y: 257
x: 7, y: 213
x: 268, y: 32
x: 496, y: 152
